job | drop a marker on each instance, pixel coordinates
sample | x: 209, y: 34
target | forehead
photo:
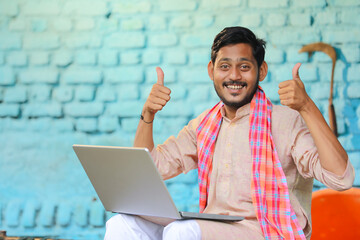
x: 235, y: 52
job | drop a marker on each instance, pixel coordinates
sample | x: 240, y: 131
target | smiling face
x: 236, y: 76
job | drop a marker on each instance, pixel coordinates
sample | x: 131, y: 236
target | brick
x: 17, y: 59
x: 83, y: 8
x: 151, y: 57
x: 62, y: 25
x: 350, y: 16
x: 194, y: 75
x: 274, y: 55
x: 47, y: 214
x: 97, y: 214
x: 354, y: 158
x: 341, y: 36
x: 199, y: 57
x: 84, y: 93
x: 351, y: 53
x: 251, y: 20
x: 62, y: 59
x: 353, y: 124
x: 63, y: 125
x: 64, y: 213
x: 40, y: 124
x: 82, y: 40
x: 12, y: 213
x: 319, y: 91
x: 294, y: 36
x: 84, y: 109
x: 203, y: 21
x: 86, y: 58
x: 9, y: 8
x: 81, y: 212
x: 40, y: 93
x: 353, y: 73
x: 130, y: 124
x: 124, y: 75
x: 267, y: 4
x: 130, y: 57
x: 132, y: 24
x: 131, y: 7
x: 108, y: 124
x: 178, y: 91
x: 42, y: 110
x: 29, y: 214
x: 86, y: 124
x: 350, y: 142
x: 15, y: 95
x: 169, y: 6
x: 63, y: 94
x: 9, y: 110
x: 39, y: 58
x: 216, y: 5
x: 163, y: 40
x: 41, y: 8
x: 128, y: 92
x: 7, y: 76
x: 181, y: 22
x: 108, y: 58
x: 196, y: 40
x: 84, y: 24
x: 107, y: 24
x: 17, y: 24
x: 342, y: 3
x: 43, y: 41
x: 176, y: 56
x: 300, y: 19
x: 2, y: 58
x: 82, y: 75
x: 276, y: 20
x: 353, y: 90
x: 157, y: 23
x: 310, y: 3
x: 39, y: 75
x: 321, y: 57
x: 126, y: 40
x: 325, y: 18
x: 39, y: 25
x: 199, y: 93
x: 105, y: 94
x: 125, y: 109
x: 10, y: 41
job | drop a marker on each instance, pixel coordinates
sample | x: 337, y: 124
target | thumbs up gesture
x: 157, y: 99
x: 292, y: 92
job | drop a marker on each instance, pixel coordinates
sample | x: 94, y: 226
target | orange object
x: 335, y: 215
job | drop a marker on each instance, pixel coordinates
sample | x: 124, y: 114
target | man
x: 254, y: 159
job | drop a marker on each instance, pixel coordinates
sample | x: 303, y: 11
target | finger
x: 160, y: 76
x: 295, y: 71
x: 285, y: 84
x: 160, y: 89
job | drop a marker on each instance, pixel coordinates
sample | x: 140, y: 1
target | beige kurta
x: 230, y: 183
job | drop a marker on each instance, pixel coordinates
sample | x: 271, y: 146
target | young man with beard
x: 254, y: 159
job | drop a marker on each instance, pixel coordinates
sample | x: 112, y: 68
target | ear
x: 263, y: 71
x: 211, y: 70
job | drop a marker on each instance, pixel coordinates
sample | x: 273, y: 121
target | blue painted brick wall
x: 74, y: 72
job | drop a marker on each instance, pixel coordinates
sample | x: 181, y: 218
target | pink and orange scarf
x: 270, y: 193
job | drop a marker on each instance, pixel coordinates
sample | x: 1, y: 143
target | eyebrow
x: 238, y: 60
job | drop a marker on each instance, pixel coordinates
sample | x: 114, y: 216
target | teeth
x: 235, y: 86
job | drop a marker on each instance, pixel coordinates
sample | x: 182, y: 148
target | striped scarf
x: 270, y: 193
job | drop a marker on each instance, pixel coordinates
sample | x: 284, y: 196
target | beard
x: 238, y: 104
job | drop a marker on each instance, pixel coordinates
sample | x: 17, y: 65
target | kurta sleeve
x: 178, y: 155
x: 307, y: 160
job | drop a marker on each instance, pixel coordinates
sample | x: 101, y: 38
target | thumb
x: 160, y: 76
x: 295, y: 71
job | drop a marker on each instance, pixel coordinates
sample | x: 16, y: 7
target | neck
x: 230, y: 112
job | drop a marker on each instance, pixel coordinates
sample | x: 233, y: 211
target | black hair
x: 235, y: 35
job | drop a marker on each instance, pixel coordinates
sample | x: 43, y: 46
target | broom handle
x: 332, y: 116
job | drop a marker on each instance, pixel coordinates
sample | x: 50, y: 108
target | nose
x: 235, y: 74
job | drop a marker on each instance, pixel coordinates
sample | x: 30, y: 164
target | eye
x: 244, y: 67
x: 224, y: 66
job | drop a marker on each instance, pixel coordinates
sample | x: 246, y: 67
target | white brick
x: 310, y: 3
x: 46, y: 41
x: 251, y: 20
x: 276, y: 19
x: 132, y: 24
x: 7, y: 76
x: 157, y: 23
x: 163, y: 40
x: 84, y: 24
x: 82, y: 40
x: 85, y: 8
x: 8, y: 8
x: 41, y: 7
x: 300, y: 19
x: 9, y: 41
x: 126, y: 40
x: 177, y: 5
x: 181, y: 22
x: 130, y: 57
x: 39, y: 58
x: 18, y: 59
x: 39, y: 75
x: 62, y: 24
x: 17, y: 24
x: 131, y: 7
x: 268, y: 4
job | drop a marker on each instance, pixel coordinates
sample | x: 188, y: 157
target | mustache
x: 232, y: 82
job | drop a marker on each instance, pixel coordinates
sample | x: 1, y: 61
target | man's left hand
x: 292, y: 92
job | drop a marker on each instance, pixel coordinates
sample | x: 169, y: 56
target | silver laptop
x: 127, y: 181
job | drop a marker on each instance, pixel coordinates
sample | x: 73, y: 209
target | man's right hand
x: 157, y: 98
